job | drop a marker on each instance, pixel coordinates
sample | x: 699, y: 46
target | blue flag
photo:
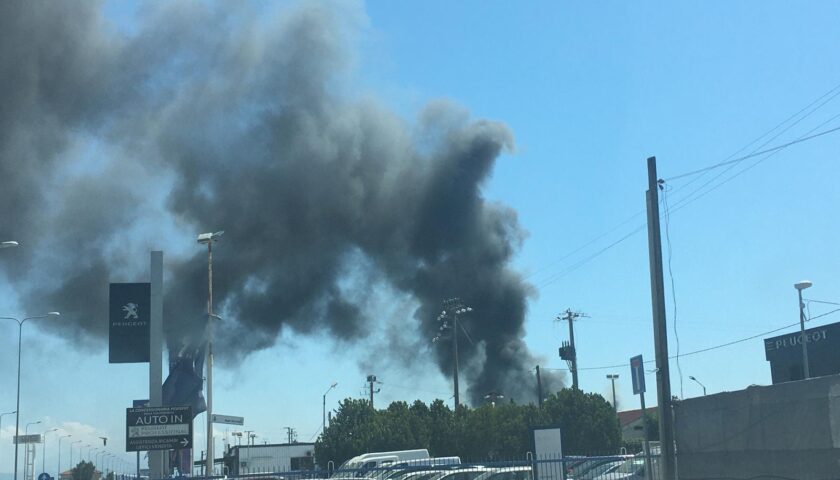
x: 185, y: 383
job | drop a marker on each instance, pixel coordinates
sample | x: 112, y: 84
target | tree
x: 500, y: 432
x: 83, y: 471
x: 352, y: 430
x: 588, y: 422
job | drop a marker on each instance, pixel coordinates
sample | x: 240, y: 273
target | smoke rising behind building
x: 113, y: 143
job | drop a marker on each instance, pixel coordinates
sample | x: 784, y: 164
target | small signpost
x: 158, y: 428
x: 228, y: 419
x: 637, y: 373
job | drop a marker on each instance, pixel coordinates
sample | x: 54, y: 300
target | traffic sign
x: 228, y: 419
x: 637, y: 373
x: 158, y: 428
x: 44, y: 476
x: 20, y: 439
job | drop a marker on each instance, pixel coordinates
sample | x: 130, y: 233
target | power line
x: 702, y: 350
x: 685, y: 202
x: 831, y: 94
x: 755, y: 154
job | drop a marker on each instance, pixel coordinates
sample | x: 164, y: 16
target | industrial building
x: 281, y: 457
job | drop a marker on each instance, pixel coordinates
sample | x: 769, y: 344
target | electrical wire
x: 831, y: 94
x: 686, y: 201
x: 821, y: 301
x: 754, y: 154
x: 665, y: 188
x: 702, y: 350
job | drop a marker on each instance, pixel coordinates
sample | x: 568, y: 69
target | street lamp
x: 101, y: 460
x: 208, y: 239
x: 17, y: 406
x: 58, y: 472
x: 324, y: 409
x: 26, y: 432
x: 1, y: 419
x: 698, y: 383
x: 44, y: 450
x: 71, y: 452
x: 613, y: 377
x: 799, y: 286
x: 9, y: 244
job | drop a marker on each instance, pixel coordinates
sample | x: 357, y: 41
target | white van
x: 366, y: 462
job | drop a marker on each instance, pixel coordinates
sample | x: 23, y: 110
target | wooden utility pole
x: 371, y: 379
x: 660, y: 331
x: 571, y: 352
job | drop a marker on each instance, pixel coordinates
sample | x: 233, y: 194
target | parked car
x: 507, y: 473
x: 632, y: 469
x: 469, y: 473
x: 599, y: 470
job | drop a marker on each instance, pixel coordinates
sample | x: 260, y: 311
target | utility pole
x: 292, y: 434
x: 539, y: 388
x: 612, y: 378
x: 567, y: 351
x: 371, y: 379
x: 660, y: 331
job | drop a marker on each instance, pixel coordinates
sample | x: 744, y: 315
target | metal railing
x: 576, y: 467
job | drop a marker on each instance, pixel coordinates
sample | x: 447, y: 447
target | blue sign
x: 140, y: 403
x: 44, y: 476
x: 637, y: 373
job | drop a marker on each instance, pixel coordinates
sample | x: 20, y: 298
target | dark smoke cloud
x: 203, y: 120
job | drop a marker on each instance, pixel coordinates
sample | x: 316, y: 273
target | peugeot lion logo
x: 130, y: 310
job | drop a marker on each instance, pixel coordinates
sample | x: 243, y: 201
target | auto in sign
x: 158, y: 428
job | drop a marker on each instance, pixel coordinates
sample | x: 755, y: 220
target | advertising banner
x: 128, y: 331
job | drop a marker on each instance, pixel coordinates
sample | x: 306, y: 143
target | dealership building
x: 785, y: 353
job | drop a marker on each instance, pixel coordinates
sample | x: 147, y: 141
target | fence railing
x: 595, y: 467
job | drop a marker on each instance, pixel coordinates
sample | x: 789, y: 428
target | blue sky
x: 589, y: 91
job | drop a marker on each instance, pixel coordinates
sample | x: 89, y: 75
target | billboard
x: 784, y: 352
x: 129, y: 309
x: 158, y: 428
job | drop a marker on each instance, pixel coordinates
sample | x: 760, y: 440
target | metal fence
x: 602, y: 467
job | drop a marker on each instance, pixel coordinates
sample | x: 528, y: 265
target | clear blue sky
x: 589, y: 92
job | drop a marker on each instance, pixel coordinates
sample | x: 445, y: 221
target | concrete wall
x: 787, y: 430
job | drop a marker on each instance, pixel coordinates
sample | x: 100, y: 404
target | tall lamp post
x: 613, y: 377
x: 20, y: 337
x: 799, y: 286
x: 26, y: 432
x: 208, y: 239
x: 324, y: 408
x: 452, y: 308
x: 1, y: 418
x: 44, y: 450
x: 698, y: 383
x: 71, y: 451
x: 58, y: 472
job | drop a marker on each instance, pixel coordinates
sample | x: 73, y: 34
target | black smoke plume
x: 115, y: 141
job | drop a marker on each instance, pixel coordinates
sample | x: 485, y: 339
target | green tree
x: 588, y: 422
x: 503, y: 431
x: 83, y: 471
x: 352, y: 431
x: 442, y: 431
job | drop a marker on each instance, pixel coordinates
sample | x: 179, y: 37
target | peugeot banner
x: 128, y: 332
